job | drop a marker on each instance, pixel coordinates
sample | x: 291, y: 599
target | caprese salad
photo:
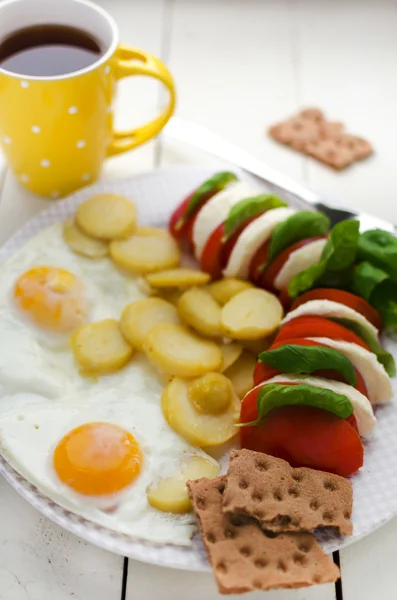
x: 317, y: 383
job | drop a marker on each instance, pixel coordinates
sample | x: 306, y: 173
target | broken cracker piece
x: 244, y: 558
x: 282, y: 498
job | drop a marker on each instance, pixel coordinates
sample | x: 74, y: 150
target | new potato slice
x: 107, y: 217
x: 230, y: 353
x: 241, y: 374
x: 251, y: 315
x: 146, y: 253
x: 199, y: 310
x: 138, y: 318
x: 224, y: 289
x: 100, y: 347
x: 80, y: 243
x: 170, y: 494
x: 177, y: 351
x: 198, y: 428
x: 182, y: 277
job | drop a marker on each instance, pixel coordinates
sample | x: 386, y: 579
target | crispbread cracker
x: 311, y: 133
x: 283, y: 499
x: 244, y: 558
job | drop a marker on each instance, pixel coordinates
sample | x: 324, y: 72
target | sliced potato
x: 182, y: 277
x: 139, y: 317
x: 257, y: 346
x: 241, y: 374
x: 211, y: 393
x: 230, y: 353
x: 177, y: 351
x: 171, y: 495
x: 150, y: 231
x: 170, y: 294
x: 198, y: 308
x: 224, y: 289
x: 146, y: 253
x: 251, y: 315
x: 80, y: 243
x: 100, y: 347
x: 107, y: 217
x: 198, y: 428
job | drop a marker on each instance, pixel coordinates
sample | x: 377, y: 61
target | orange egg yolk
x: 52, y: 297
x: 97, y: 458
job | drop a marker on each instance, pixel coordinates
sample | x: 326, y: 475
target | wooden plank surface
x: 239, y: 66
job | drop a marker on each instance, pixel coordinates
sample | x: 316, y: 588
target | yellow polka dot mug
x: 57, y: 130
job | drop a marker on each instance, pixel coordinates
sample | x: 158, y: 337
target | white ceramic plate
x: 375, y: 487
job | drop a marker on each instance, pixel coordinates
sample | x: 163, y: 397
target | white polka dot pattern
x: 375, y: 487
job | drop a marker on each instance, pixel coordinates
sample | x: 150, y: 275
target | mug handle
x: 152, y: 67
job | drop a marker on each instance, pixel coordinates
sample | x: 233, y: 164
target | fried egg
x: 93, y: 445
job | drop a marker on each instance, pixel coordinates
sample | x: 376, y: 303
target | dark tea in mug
x: 48, y: 50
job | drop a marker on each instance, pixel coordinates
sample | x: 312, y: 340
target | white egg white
x: 43, y: 396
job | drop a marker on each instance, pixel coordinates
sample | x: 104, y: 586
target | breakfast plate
x: 375, y: 487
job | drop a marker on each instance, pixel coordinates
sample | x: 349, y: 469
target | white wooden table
x: 239, y: 65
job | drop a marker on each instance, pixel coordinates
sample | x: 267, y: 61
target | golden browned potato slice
x: 199, y: 310
x: 107, y: 217
x: 146, y: 253
x: 177, y: 351
x: 224, y: 289
x: 81, y: 243
x: 182, y: 277
x: 100, y: 347
x: 211, y: 393
x: 138, y: 318
x: 230, y: 353
x: 251, y: 315
x: 170, y: 494
x: 198, y: 428
x: 241, y: 374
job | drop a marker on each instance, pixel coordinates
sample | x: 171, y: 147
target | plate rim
x: 191, y: 558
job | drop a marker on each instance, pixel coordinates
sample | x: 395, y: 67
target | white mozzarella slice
x: 362, y: 408
x: 376, y: 379
x: 215, y: 211
x: 298, y: 261
x: 330, y: 310
x: 252, y: 238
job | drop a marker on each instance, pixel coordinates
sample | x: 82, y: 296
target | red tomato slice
x: 351, y: 300
x: 269, y: 275
x: 285, y: 299
x: 257, y: 262
x: 312, y: 326
x: 179, y: 232
x: 304, y: 436
x: 264, y: 372
x: 231, y: 242
x: 211, y: 256
x: 216, y: 252
x: 183, y: 232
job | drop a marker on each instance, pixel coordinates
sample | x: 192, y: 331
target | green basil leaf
x: 384, y: 357
x: 275, y: 395
x: 211, y: 186
x: 338, y: 256
x: 301, y: 225
x: 293, y: 358
x: 384, y: 299
x: 249, y: 208
x: 376, y: 286
x: 379, y: 248
x: 366, y: 278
